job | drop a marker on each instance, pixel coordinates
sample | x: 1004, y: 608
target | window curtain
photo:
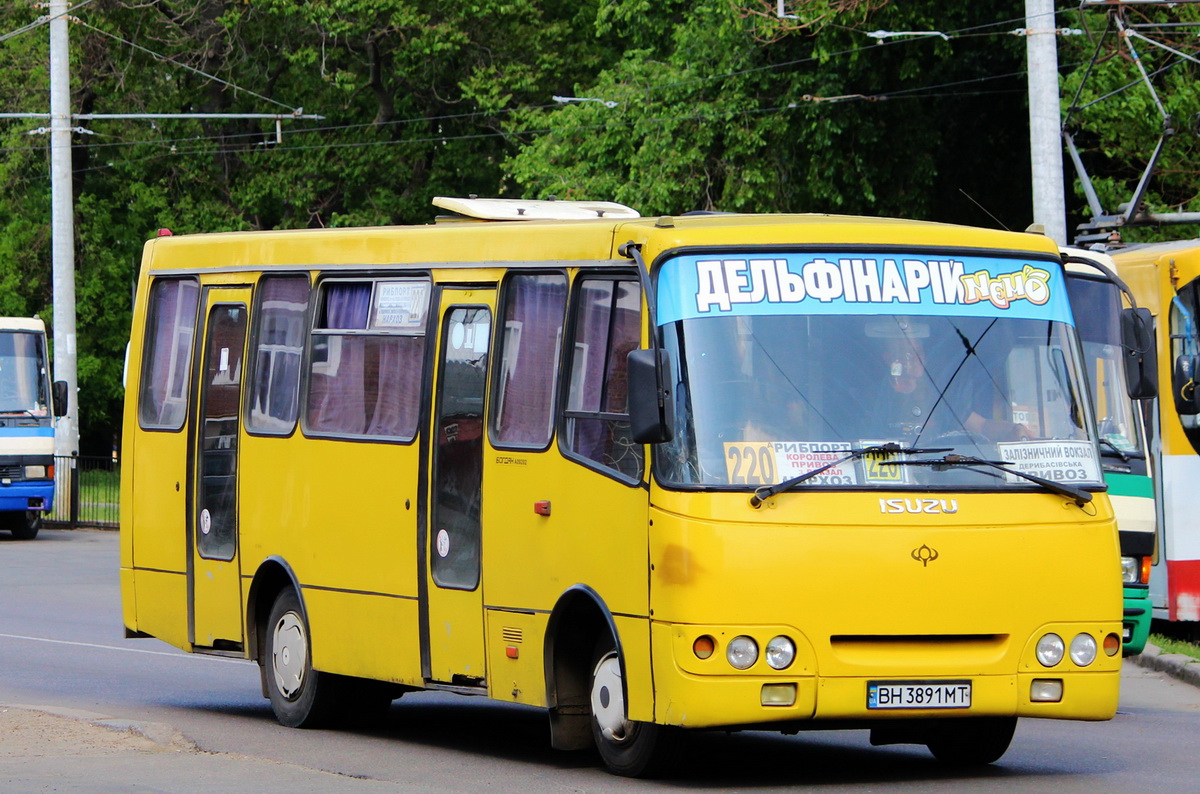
x: 538, y: 304
x: 337, y: 386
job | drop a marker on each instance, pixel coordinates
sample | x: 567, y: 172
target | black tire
x: 301, y: 697
x: 972, y: 742
x: 630, y: 749
x: 24, y: 525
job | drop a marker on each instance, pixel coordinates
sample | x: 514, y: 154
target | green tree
x: 721, y: 105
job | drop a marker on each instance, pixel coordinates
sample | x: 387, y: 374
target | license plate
x: 918, y: 694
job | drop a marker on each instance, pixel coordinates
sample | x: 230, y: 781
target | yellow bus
x: 1165, y: 278
x: 651, y: 474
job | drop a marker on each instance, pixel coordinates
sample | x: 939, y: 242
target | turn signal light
x: 703, y: 647
x: 1146, y: 561
x: 1112, y: 644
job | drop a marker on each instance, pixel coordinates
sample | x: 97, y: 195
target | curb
x: 1176, y: 665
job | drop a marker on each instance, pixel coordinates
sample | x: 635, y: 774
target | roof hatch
x: 494, y: 209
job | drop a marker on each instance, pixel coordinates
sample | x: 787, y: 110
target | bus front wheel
x: 972, y: 742
x: 628, y: 748
x: 301, y: 697
x: 24, y: 524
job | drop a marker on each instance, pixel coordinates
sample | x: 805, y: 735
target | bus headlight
x: 1050, y: 649
x: 780, y: 652
x: 1083, y: 649
x: 1131, y: 570
x: 742, y: 652
x: 35, y: 472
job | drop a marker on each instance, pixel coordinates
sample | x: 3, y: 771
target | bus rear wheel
x: 628, y: 748
x: 24, y: 524
x: 301, y: 697
x: 972, y: 742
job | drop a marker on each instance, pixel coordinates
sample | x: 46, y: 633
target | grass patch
x: 1171, y: 645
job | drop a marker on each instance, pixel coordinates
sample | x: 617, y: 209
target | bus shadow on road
x: 708, y: 759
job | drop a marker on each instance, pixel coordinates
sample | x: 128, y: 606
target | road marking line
x: 175, y: 654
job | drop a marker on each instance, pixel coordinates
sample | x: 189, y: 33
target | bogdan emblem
x: 924, y: 555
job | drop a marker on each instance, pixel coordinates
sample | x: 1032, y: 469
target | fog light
x: 779, y: 694
x: 1046, y: 690
x: 1112, y: 643
x: 742, y: 652
x: 1083, y: 649
x: 703, y: 647
x: 1050, y: 650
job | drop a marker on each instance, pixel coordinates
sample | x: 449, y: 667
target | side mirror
x: 1137, y: 338
x: 59, y: 397
x: 1183, y: 385
x: 649, y: 422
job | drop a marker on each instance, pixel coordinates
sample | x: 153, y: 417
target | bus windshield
x: 22, y: 374
x: 767, y: 395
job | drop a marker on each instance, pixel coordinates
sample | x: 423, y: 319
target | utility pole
x: 1045, y: 124
x: 62, y: 224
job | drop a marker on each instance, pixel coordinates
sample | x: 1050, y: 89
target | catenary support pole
x: 62, y: 222
x: 1045, y: 124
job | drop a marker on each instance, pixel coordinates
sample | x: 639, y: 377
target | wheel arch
x: 272, y: 577
x: 579, y: 619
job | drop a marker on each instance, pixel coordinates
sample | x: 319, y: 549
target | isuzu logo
x: 918, y: 505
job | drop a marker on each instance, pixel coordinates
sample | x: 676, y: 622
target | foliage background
x: 720, y: 105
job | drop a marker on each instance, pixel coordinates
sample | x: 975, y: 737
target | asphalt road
x: 200, y: 722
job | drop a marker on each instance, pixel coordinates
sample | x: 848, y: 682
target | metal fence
x: 87, y: 492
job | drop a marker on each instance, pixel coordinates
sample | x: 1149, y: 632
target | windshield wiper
x: 1080, y: 496
x: 1104, y: 442
x: 767, y: 491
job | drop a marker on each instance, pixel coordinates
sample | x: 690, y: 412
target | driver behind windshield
x: 920, y: 405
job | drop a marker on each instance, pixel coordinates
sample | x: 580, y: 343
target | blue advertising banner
x: 730, y: 285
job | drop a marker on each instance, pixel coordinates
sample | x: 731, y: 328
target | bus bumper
x: 26, y: 495
x: 1135, y: 628
x: 688, y: 698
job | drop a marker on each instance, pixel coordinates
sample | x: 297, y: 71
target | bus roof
x: 1085, y: 262
x: 22, y: 324
x: 561, y: 242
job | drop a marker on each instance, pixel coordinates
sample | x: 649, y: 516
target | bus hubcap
x: 608, y: 699
x: 289, y: 651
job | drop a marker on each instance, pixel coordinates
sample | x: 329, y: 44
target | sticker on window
x: 1059, y: 461
x: 401, y: 305
x: 770, y: 462
x: 875, y: 467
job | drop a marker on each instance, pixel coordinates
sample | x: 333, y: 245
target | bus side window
x: 531, y: 339
x: 277, y: 349
x: 368, y: 352
x: 167, y: 356
x: 1185, y: 352
x: 607, y: 327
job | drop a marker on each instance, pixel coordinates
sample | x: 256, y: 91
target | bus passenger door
x: 215, y: 603
x: 454, y: 534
